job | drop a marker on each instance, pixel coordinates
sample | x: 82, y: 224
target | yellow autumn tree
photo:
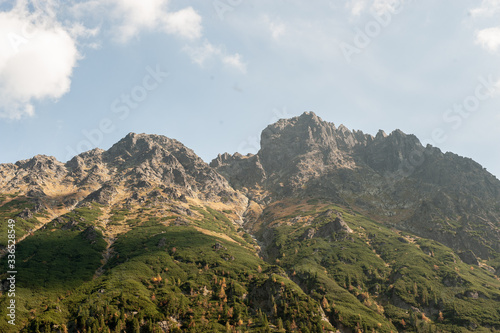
x: 324, y: 303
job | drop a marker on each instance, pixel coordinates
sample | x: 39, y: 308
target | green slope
x: 377, y: 278
x: 159, y: 276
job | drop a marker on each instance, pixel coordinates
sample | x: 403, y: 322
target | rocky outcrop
x: 241, y: 171
x: 149, y: 160
x: 336, y: 226
x: 103, y: 196
x: 390, y: 177
x: 34, y: 173
x: 90, y: 234
x: 469, y: 257
x: 137, y: 162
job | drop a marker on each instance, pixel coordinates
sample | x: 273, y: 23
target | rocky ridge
x: 390, y: 177
x: 138, y: 161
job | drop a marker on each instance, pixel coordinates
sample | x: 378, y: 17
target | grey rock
x: 338, y: 225
x: 469, y: 257
x: 25, y: 214
x: 90, y: 234
x: 103, y: 196
x: 218, y: 246
x: 309, y: 234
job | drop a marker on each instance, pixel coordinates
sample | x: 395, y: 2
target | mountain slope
x: 324, y: 229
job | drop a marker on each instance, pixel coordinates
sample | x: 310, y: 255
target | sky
x: 75, y: 75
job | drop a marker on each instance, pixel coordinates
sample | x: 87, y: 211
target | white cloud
x: 201, y: 54
x: 276, y: 26
x: 356, y: 7
x: 277, y: 29
x: 234, y: 61
x: 185, y: 23
x: 489, y: 38
x: 37, y: 60
x: 128, y: 18
x: 40, y: 50
x: 78, y: 30
x: 132, y: 16
x: 487, y: 8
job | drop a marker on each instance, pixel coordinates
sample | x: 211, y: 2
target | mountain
x: 392, y: 177
x: 323, y: 230
x: 136, y: 161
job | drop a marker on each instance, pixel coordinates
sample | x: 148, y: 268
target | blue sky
x: 79, y: 74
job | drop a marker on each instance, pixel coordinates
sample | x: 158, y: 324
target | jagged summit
x: 308, y: 134
x: 136, y: 161
x: 389, y: 176
x: 133, y: 143
x: 306, y: 147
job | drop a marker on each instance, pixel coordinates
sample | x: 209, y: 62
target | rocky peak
x: 399, y: 138
x: 147, y: 160
x: 222, y: 159
x: 137, y: 161
x: 289, y: 143
x: 380, y: 135
x: 36, y: 171
x: 135, y: 148
x: 302, y: 134
x: 41, y: 163
x: 296, y: 150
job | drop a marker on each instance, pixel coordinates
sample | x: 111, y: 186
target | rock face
x: 90, y: 234
x: 336, y: 226
x: 390, y: 177
x: 138, y: 161
x: 102, y: 196
x: 240, y: 170
x: 469, y: 258
x: 36, y: 172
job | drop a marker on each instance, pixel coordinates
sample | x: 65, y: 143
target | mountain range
x: 324, y: 229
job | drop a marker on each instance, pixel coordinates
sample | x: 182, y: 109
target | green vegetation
x: 193, y: 278
x: 47, y: 259
x: 52, y: 263
x: 363, y: 275
x: 216, y: 221
x: 159, y: 276
x: 11, y: 210
x: 118, y: 215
